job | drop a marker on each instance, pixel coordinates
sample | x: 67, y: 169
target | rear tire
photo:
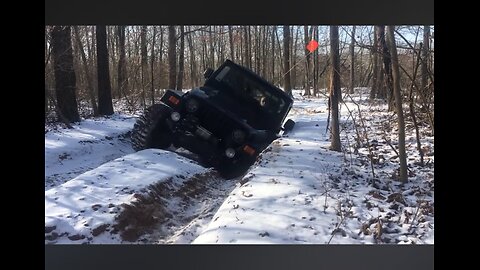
x: 151, y: 130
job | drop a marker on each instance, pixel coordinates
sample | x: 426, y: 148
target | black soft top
x: 275, y: 89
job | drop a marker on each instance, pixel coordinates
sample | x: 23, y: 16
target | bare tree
x: 335, y: 90
x: 352, y: 57
x: 65, y: 80
x: 286, y: 43
x: 181, y: 59
x: 403, y: 177
x: 105, y: 106
x: 274, y: 30
x: 122, y: 64
x: 144, y: 61
x: 384, y: 64
x: 387, y: 65
x: 152, y: 66
x: 424, y: 66
x: 172, y: 57
x: 193, y: 62
x: 90, y: 89
x: 307, y: 62
x: 230, y: 38
x: 374, y: 91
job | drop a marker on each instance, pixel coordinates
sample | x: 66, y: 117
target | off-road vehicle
x: 226, y: 122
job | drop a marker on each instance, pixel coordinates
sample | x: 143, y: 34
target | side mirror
x: 207, y: 73
x: 288, y: 126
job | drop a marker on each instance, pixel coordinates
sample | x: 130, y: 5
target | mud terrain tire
x: 150, y: 130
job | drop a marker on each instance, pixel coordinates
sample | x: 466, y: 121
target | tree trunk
x: 193, y: 62
x: 274, y: 30
x: 90, y: 90
x: 403, y: 177
x: 181, y: 59
x: 264, y: 51
x: 152, y: 67
x: 172, y: 57
x: 387, y: 63
x: 315, y: 64
x: 307, y: 62
x: 424, y: 66
x: 122, y: 65
x: 65, y: 80
x: 105, y: 106
x: 230, y: 38
x: 335, y: 90
x: 374, y: 91
x: 294, y: 57
x: 352, y: 65
x: 144, y: 62
x: 248, y: 59
x: 286, y: 58
x: 212, y: 48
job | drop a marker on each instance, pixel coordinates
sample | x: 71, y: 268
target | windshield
x: 249, y: 88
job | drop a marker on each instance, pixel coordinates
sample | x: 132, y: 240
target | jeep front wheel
x: 151, y: 130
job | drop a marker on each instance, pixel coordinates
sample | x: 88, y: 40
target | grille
x: 214, y: 121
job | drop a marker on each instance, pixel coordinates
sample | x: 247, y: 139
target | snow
x: 91, y: 142
x: 298, y: 191
x: 93, y: 199
x: 302, y: 193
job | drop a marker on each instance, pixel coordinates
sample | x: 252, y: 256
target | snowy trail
x: 92, y: 142
x: 299, y: 192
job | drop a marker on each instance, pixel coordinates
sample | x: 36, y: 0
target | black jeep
x: 227, y: 122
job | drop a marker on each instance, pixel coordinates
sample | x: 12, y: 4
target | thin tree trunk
x: 193, y: 66
x: 286, y: 56
x: 181, y: 59
x: 335, y: 89
x: 294, y: 57
x: 424, y: 66
x: 212, y: 48
x: 230, y: 38
x: 274, y: 30
x: 264, y: 51
x: 144, y: 62
x: 387, y: 63
x: 122, y: 65
x: 374, y: 90
x: 65, y: 80
x: 248, y: 62
x: 172, y: 57
x: 105, y: 106
x: 352, y: 65
x: 403, y: 177
x: 160, y: 61
x: 152, y: 67
x: 307, y: 62
x: 315, y: 63
x: 90, y: 90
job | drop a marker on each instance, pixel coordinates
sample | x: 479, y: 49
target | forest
x: 363, y: 97
x: 136, y: 63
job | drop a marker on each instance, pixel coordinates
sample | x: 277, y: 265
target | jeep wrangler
x: 226, y: 122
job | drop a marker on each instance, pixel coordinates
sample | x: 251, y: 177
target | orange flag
x: 312, y: 45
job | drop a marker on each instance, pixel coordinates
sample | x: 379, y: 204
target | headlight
x: 230, y: 152
x: 238, y: 136
x: 175, y: 116
x: 192, y: 105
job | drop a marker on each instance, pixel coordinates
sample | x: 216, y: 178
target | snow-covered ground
x: 298, y: 192
x: 91, y: 142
